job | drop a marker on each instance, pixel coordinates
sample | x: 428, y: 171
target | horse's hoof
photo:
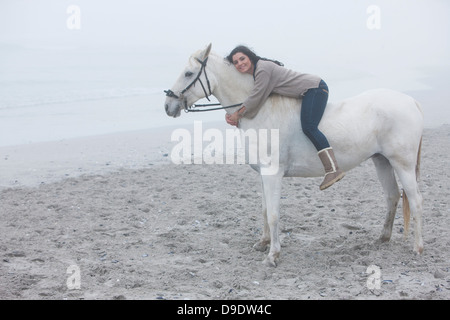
x: 260, y: 246
x: 384, y: 238
x: 418, y: 249
x: 270, y: 262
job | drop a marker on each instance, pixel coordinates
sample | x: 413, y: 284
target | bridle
x: 170, y: 93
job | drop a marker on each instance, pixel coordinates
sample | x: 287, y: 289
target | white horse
x: 381, y: 124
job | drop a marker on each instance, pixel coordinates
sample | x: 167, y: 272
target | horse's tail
x: 406, y: 209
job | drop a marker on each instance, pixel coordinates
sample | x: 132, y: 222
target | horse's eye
x: 188, y: 74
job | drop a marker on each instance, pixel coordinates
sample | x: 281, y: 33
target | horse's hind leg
x: 386, y: 176
x: 415, y: 201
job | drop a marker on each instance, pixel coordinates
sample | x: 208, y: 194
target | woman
x: 271, y: 77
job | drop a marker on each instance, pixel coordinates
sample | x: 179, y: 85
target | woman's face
x: 242, y: 63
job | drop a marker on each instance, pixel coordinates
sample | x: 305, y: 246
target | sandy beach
x: 93, y: 206
x: 110, y: 217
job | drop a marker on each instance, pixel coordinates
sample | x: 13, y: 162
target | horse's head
x: 185, y: 92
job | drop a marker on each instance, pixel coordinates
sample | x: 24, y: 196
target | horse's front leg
x: 264, y: 241
x: 272, y: 192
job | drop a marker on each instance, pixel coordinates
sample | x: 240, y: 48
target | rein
x: 194, y: 106
x: 170, y: 93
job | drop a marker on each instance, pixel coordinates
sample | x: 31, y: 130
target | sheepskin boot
x: 332, y: 172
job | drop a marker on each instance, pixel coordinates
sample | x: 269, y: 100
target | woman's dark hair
x: 250, y: 54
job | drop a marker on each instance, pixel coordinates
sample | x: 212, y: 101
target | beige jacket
x: 272, y: 78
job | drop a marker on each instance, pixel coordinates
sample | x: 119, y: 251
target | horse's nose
x: 166, y: 107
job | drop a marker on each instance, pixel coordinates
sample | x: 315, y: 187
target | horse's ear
x: 206, y: 52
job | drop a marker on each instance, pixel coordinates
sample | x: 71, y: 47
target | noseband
x: 170, y: 93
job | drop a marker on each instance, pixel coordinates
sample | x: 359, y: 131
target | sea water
x: 60, y: 92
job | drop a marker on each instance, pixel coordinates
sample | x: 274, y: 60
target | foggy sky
x: 146, y: 43
x: 416, y: 30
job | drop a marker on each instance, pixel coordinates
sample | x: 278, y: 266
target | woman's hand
x: 233, y: 119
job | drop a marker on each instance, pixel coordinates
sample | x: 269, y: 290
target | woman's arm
x: 262, y: 89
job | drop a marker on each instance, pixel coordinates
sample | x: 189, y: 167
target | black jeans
x: 313, y: 107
